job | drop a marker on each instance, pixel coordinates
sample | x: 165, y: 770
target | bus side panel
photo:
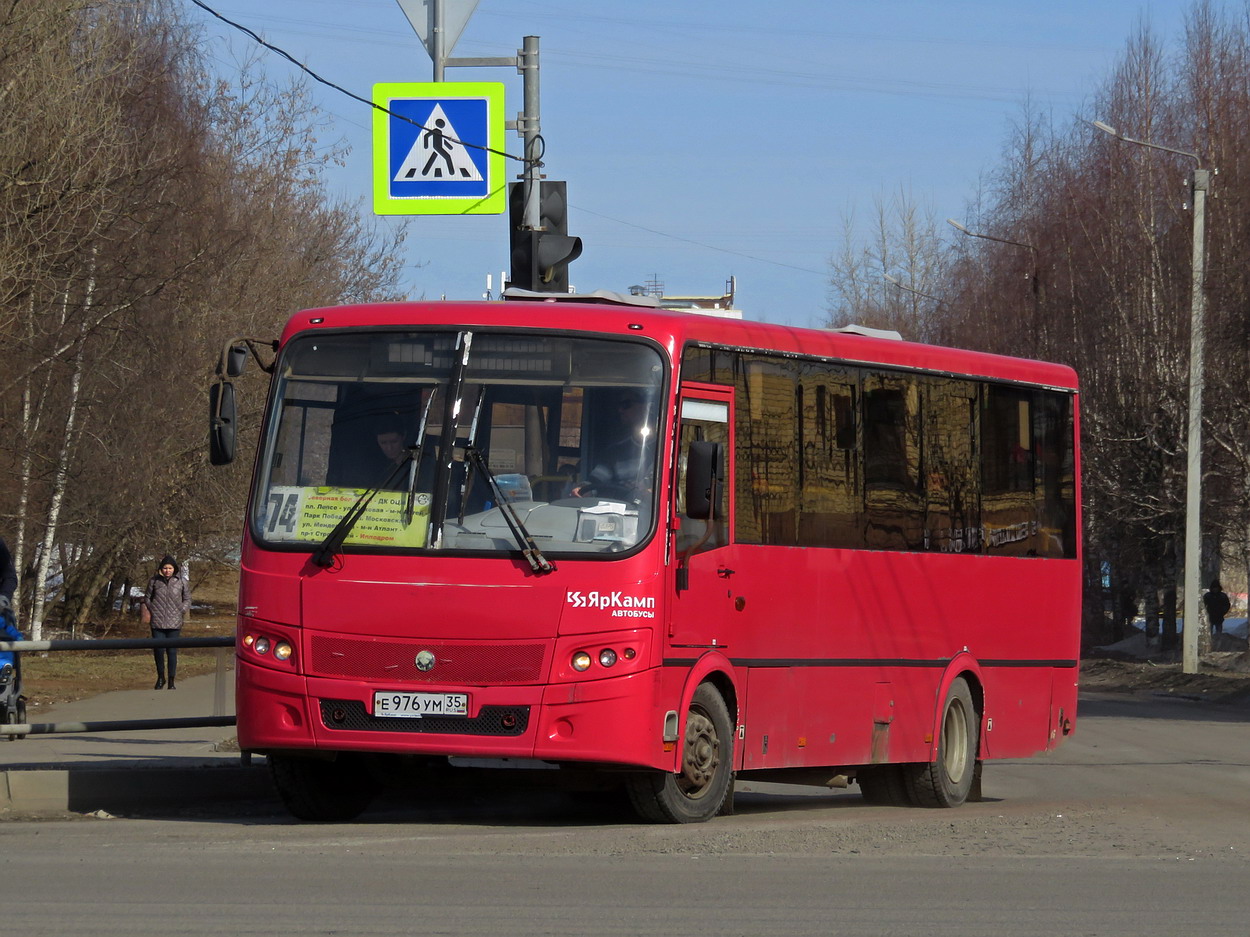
x: 846, y: 655
x: 822, y: 725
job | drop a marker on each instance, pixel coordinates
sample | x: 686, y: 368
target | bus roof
x: 674, y: 329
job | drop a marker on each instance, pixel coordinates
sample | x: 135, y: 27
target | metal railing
x: 218, y: 718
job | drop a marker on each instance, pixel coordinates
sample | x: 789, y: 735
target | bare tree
x: 148, y: 211
x: 885, y: 279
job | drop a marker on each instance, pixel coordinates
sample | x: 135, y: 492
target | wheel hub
x: 700, y: 755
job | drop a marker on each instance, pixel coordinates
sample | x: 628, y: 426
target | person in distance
x: 166, y: 602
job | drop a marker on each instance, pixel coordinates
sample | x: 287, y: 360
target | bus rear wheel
x: 323, y: 791
x: 948, y: 780
x: 698, y: 792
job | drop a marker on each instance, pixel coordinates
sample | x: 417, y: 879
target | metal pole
x: 219, y: 681
x: 438, y: 51
x: 1192, y: 583
x: 531, y: 127
x: 114, y: 725
x: 1193, y: 478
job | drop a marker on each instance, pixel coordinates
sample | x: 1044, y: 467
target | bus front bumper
x: 616, y: 721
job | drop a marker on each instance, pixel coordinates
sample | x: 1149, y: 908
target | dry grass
x: 1224, y: 678
x: 61, y: 676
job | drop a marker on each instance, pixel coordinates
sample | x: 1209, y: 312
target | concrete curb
x: 118, y: 790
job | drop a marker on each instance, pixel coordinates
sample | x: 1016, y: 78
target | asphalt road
x: 1139, y: 825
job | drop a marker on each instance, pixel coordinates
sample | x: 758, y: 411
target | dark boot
x: 160, y: 681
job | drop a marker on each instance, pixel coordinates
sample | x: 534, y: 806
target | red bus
x: 668, y: 548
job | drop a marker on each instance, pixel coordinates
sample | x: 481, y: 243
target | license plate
x: 417, y: 705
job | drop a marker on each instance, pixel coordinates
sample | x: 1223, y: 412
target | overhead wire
x: 339, y: 88
x: 710, y: 247
x: 537, y: 160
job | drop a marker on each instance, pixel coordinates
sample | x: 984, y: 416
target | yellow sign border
x: 495, y: 202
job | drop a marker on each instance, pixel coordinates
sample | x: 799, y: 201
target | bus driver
x: 622, y: 468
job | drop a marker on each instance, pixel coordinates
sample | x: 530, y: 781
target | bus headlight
x: 283, y: 651
x: 261, y: 645
x: 607, y: 655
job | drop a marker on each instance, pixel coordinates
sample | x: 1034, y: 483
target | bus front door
x: 704, y: 601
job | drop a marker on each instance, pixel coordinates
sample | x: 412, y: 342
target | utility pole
x: 1200, y: 184
x: 1194, y: 622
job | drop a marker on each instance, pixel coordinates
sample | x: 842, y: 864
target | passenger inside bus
x: 391, y: 442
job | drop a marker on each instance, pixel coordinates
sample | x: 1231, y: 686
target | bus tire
x: 698, y: 792
x: 948, y: 780
x: 322, y: 791
x: 884, y: 785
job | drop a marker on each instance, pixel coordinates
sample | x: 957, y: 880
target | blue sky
x: 702, y: 140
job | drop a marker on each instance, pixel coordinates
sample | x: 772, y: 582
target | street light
x: 989, y: 237
x: 1200, y: 182
x: 924, y: 330
x: 1037, y: 273
x: 908, y: 289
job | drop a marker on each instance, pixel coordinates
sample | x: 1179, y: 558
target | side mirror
x: 236, y: 360
x: 221, y: 423
x: 703, y: 481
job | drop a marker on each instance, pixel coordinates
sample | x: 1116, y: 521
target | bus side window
x: 893, y: 509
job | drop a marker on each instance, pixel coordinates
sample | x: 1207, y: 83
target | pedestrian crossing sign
x: 438, y: 148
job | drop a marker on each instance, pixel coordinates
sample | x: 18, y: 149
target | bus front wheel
x: 322, y: 791
x: 698, y: 792
x: 948, y: 780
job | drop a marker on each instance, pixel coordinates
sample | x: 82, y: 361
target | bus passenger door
x: 701, y: 549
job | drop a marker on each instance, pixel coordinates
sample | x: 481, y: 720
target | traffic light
x: 540, y: 258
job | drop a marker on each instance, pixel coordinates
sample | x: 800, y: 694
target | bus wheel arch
x: 954, y: 773
x: 703, y: 781
x: 963, y: 667
x: 715, y: 669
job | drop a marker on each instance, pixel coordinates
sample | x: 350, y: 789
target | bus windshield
x: 448, y: 440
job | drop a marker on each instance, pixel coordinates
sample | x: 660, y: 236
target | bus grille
x: 457, y: 664
x: 490, y: 720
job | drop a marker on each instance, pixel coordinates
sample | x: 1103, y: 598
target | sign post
x: 438, y: 24
x: 427, y: 173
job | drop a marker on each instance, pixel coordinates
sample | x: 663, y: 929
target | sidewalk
x: 124, y: 770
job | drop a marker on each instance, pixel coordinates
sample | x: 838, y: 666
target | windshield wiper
x: 466, y: 484
x: 451, y: 425
x: 415, y: 460
x: 529, y: 549
x: 324, y: 555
